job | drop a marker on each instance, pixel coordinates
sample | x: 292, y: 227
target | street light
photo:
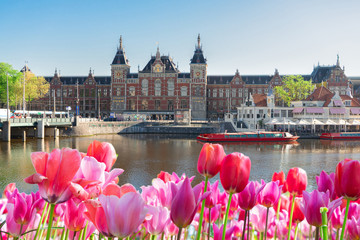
x: 7, y: 97
x: 99, y: 92
x: 24, y: 90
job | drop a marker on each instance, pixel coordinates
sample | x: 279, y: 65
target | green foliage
x: 294, y: 88
x: 35, y: 87
x: 14, y: 77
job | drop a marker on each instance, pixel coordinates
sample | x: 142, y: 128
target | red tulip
x: 103, y: 152
x: 347, y: 179
x: 296, y: 181
x: 210, y: 159
x: 165, y: 176
x: 54, y: 173
x: 235, y: 172
x: 298, y: 215
x: 280, y: 176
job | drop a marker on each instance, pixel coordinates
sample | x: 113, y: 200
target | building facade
x: 160, y: 88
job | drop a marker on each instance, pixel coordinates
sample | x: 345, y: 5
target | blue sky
x: 253, y: 36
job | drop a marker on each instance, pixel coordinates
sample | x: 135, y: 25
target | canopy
x: 355, y: 110
x: 343, y: 122
x: 303, y: 122
x: 355, y: 122
x: 330, y: 122
x: 272, y: 122
x: 298, y: 110
x: 285, y: 121
x: 316, y: 122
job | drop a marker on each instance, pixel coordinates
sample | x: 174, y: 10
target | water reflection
x: 144, y: 156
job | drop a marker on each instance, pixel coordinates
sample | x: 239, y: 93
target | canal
x: 144, y: 156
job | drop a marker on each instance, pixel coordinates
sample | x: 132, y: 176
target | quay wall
x: 95, y: 128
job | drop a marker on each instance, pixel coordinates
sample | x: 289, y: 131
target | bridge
x: 20, y: 126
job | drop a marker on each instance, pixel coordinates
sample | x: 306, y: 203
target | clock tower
x: 120, y: 68
x: 198, y: 83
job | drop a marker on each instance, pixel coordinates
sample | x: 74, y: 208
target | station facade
x: 160, y: 88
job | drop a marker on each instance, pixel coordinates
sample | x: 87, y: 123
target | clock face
x: 157, y: 68
x: 197, y: 73
x: 118, y: 74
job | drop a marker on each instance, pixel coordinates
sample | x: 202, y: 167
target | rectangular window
x: 233, y: 93
x: 64, y: 93
x: 227, y: 93
x: 70, y: 92
x: 184, y: 104
x: 105, y: 92
x: 118, y: 91
x: 215, y: 92
x: 157, y: 105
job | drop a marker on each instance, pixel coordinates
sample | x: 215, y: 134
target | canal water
x: 144, y: 156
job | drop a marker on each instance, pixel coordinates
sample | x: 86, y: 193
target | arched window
x: 183, y: 91
x: 144, y: 105
x: 215, y: 92
x: 171, y: 87
x: 132, y: 91
x: 157, y: 87
x: 144, y: 87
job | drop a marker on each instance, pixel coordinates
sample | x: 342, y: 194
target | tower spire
x: 121, y: 47
x: 198, y: 39
x: 338, y: 61
x: 158, y: 52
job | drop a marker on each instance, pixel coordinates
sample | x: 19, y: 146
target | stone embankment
x: 95, y: 128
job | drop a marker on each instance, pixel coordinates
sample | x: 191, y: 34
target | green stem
x: 277, y: 216
x: 55, y: 232
x: 266, y: 222
x: 244, y: 228
x: 345, y: 218
x: 324, y: 226
x: 209, y: 229
x: 66, y: 234
x: 261, y: 236
x: 202, y: 210
x: 85, y: 230
x: 153, y: 237
x: 46, y: 217
x: 41, y: 220
x: 291, y: 215
x: 179, y: 233
x: 296, y: 230
x: 226, y: 216
x: 248, y: 227
x: 52, y: 207
x: 337, y: 234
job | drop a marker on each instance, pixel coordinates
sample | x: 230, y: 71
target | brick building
x: 160, y: 88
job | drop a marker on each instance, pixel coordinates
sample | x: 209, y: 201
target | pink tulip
x: 311, y: 204
x: 103, y: 152
x: 347, y: 179
x: 10, y: 188
x: 185, y: 203
x: 337, y: 218
x: 165, y: 176
x: 235, y: 172
x: 117, y: 217
x: 158, y: 193
x: 270, y: 194
x: 21, y: 213
x: 218, y: 232
x: 211, y: 200
x: 210, y: 159
x: 304, y: 228
x: 247, y: 198
x: 326, y: 182
x: 353, y: 227
x: 74, y: 219
x: 171, y: 229
x: 159, y: 220
x: 54, y: 173
x: 258, y: 217
x: 214, y: 213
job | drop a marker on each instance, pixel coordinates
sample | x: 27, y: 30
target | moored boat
x: 341, y: 136
x: 248, y: 137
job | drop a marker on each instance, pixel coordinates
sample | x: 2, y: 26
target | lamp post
x: 77, y: 97
x: 99, y: 92
x: 7, y: 98
x: 54, y: 110
x: 24, y: 90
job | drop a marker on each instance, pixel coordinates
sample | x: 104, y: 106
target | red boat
x: 341, y: 136
x: 248, y: 137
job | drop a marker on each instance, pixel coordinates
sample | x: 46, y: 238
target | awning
x: 355, y: 122
x: 338, y: 103
x: 316, y: 122
x: 330, y: 122
x: 355, y: 110
x: 337, y: 110
x: 343, y: 122
x: 315, y: 110
x: 303, y: 122
x: 298, y: 110
x: 272, y: 122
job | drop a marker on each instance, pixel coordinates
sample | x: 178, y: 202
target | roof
x: 102, y: 80
x: 120, y: 57
x: 198, y: 57
x: 166, y: 60
x: 184, y: 75
x: 324, y: 94
x: 321, y: 73
x: 219, y: 79
x: 259, y: 100
x: 25, y: 68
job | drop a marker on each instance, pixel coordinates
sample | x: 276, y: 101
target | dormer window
x: 348, y: 103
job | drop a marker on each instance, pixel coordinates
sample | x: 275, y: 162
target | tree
x: 14, y: 78
x: 35, y: 87
x: 294, y: 88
